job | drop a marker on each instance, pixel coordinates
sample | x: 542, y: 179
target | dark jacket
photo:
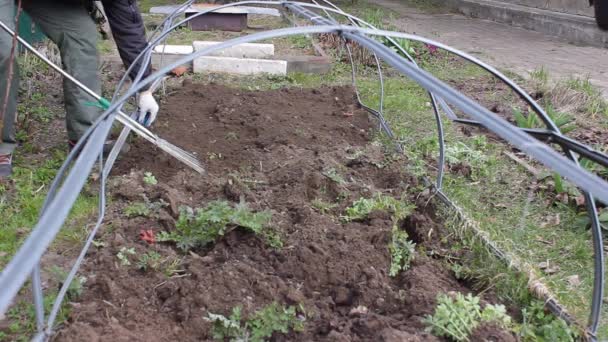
x: 128, y: 30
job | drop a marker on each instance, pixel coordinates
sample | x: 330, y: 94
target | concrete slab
x: 240, y: 66
x: 174, y: 49
x: 247, y: 50
x: 171, y: 54
x: 230, y: 10
x: 307, y: 64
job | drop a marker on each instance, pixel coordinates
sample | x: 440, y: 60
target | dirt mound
x: 280, y: 151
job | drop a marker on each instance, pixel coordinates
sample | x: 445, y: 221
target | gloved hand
x: 147, y: 108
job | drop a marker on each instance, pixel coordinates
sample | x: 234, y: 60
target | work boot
x: 6, y: 165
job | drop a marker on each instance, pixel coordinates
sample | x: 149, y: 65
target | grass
x: 145, y: 5
x: 20, y: 204
x: 574, y: 95
x: 22, y: 195
x: 22, y: 199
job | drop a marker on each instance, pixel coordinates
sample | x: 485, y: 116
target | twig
x: 10, y: 66
x: 523, y: 163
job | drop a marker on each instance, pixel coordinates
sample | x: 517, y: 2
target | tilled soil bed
x: 280, y: 151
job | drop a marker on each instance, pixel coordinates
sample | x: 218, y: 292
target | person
x: 70, y: 25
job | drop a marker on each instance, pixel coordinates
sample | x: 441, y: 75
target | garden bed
x: 334, y: 256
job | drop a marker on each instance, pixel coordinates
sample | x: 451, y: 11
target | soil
x: 276, y: 150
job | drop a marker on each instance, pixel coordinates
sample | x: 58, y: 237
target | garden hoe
x: 126, y: 120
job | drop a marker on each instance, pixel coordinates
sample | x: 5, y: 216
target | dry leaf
x: 180, y: 70
x: 147, y: 236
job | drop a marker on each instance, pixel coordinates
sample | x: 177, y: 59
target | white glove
x: 148, y: 108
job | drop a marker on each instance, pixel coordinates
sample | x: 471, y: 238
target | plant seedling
x: 260, y: 326
x: 335, y: 176
x: 402, y: 252
x: 322, y: 206
x: 149, y: 260
x: 76, y: 286
x: 150, y: 179
x: 456, y: 318
x: 123, y: 255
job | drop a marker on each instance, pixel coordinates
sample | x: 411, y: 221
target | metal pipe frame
x: 61, y: 196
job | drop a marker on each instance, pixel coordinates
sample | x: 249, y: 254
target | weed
x: 559, y: 183
x: 123, y: 255
x: 214, y: 156
x: 273, y: 317
x: 259, y: 327
x: 98, y: 244
x: 153, y: 261
x: 537, y: 325
x: 402, y: 252
x: 300, y: 41
x: 145, y: 208
x: 539, y: 79
x: 460, y: 153
x: 201, y: 227
x: 150, y: 260
x: 563, y: 121
x: 334, y: 175
x: 150, y: 179
x: 75, y: 288
x: 227, y: 327
x: 232, y: 136
x: 137, y: 209
x: 364, y: 206
x: 322, y: 206
x: 460, y: 272
x: 457, y: 318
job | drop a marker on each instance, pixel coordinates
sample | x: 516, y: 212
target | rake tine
x: 120, y: 142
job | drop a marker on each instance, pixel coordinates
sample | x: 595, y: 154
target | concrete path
x: 504, y: 46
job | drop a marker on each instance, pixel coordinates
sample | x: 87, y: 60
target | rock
x: 294, y: 297
x: 208, y: 259
x: 172, y: 198
x: 358, y: 311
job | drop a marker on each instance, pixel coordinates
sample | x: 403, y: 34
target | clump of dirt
x: 491, y: 333
x: 281, y: 151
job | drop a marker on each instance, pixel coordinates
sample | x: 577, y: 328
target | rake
x: 129, y: 123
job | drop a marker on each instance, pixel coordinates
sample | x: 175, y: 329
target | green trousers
x: 70, y: 27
